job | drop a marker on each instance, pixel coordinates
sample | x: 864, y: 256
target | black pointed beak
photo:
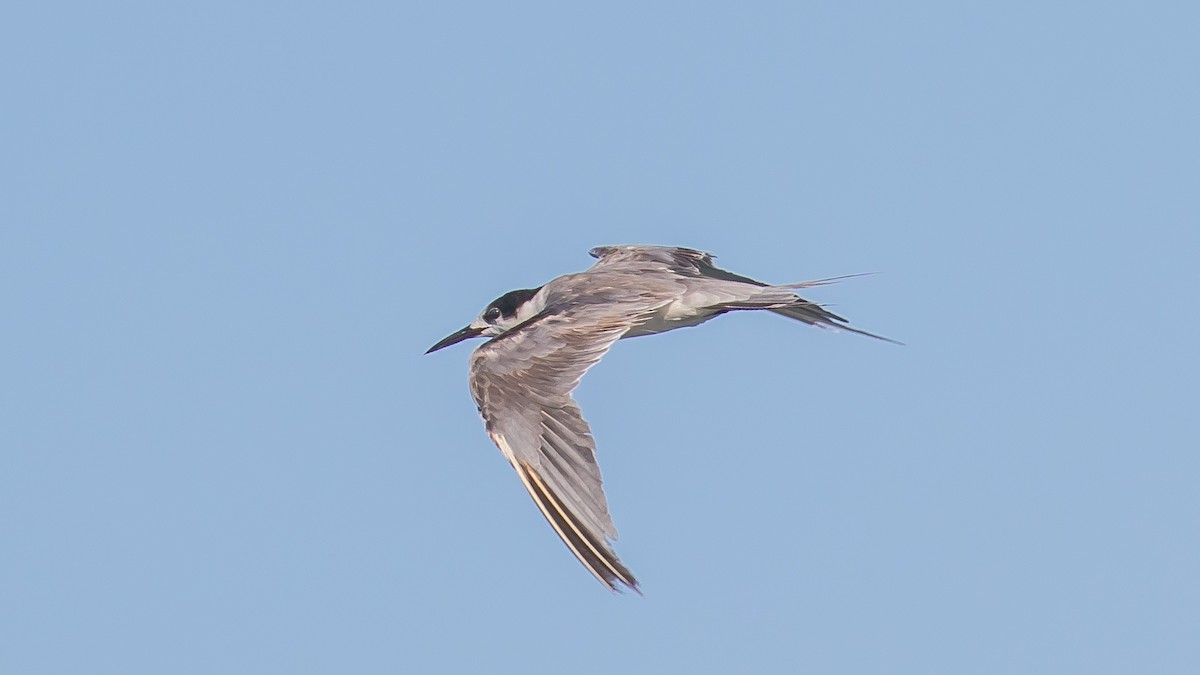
x: 455, y: 338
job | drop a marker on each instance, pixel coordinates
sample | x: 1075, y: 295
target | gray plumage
x: 544, y: 340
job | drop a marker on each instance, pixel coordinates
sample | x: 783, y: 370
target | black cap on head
x: 510, y: 301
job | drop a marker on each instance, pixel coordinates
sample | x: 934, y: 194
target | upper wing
x: 522, y: 383
x: 687, y: 261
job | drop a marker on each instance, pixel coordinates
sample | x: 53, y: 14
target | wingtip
x: 851, y: 329
x: 596, y: 556
x: 877, y: 337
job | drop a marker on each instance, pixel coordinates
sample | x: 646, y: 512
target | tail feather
x: 816, y: 315
x: 783, y: 301
x: 792, y: 306
x: 826, y: 281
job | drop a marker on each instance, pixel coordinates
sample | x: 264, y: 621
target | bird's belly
x: 670, y: 317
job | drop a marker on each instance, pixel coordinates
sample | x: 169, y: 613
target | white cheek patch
x: 531, y: 308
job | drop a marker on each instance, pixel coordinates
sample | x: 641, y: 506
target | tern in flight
x: 544, y: 339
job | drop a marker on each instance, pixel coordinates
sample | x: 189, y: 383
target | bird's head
x: 501, y: 315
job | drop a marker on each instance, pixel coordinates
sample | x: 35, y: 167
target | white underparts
x: 669, y: 317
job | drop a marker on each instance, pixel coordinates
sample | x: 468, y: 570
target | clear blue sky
x: 229, y: 231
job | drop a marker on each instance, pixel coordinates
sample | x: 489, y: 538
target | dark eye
x: 492, y: 314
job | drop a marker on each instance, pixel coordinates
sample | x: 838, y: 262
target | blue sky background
x: 229, y: 231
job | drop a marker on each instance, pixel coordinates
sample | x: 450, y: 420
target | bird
x: 543, y: 340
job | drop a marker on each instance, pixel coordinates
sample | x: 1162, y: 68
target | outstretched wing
x: 522, y: 383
